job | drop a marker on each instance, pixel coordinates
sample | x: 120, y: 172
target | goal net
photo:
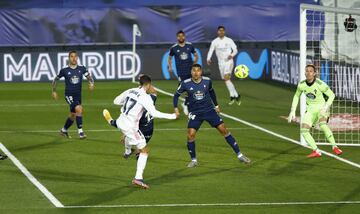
x: 329, y: 40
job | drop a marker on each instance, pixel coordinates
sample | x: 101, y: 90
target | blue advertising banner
x: 246, y: 21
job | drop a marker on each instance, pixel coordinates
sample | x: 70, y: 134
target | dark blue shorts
x: 147, y: 132
x: 212, y: 117
x: 73, y: 101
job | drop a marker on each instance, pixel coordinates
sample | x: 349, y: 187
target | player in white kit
x: 134, y: 101
x: 225, y: 50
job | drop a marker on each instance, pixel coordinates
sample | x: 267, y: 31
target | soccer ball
x: 241, y: 71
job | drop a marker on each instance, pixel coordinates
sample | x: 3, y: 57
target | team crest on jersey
x: 74, y: 79
x: 183, y: 56
x: 199, y: 95
x: 310, y: 96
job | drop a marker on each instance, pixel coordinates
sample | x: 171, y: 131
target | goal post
x: 328, y: 39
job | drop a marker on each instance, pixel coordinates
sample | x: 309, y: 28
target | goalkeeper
x: 317, y: 109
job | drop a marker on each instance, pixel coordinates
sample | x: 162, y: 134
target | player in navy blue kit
x: 182, y: 52
x: 73, y: 75
x: 203, y: 106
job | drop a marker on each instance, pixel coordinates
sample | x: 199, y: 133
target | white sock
x: 230, y: 86
x: 63, y: 129
x: 141, y: 163
x: 80, y: 130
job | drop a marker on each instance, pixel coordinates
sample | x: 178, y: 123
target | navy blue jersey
x: 201, y: 96
x: 73, y: 79
x: 183, y: 60
x: 146, y: 122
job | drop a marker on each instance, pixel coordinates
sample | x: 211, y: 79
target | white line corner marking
x: 31, y: 178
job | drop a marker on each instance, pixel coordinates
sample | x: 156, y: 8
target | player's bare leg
x: 329, y: 135
x: 141, y: 164
x: 232, y: 142
x: 234, y: 96
x: 70, y: 120
x: 191, y: 147
x: 78, y: 113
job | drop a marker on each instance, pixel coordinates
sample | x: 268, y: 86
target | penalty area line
x: 31, y: 178
x: 216, y: 204
x: 272, y: 133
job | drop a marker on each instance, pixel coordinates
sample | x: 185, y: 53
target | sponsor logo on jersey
x: 74, y: 79
x: 310, y: 96
x: 199, y: 95
x: 184, y: 56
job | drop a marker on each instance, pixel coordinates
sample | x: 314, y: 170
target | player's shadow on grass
x: 100, y: 198
x: 72, y: 177
x: 301, y: 162
x: 55, y: 141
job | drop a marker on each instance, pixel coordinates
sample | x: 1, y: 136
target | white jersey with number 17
x: 134, y: 101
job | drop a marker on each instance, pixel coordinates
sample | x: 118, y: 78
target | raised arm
x: 148, y: 104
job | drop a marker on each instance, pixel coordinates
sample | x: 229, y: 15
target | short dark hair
x: 196, y: 66
x: 144, y: 79
x: 221, y: 26
x: 179, y: 32
x: 311, y: 65
x: 72, y: 51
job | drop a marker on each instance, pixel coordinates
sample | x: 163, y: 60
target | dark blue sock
x: 68, y: 123
x: 232, y: 142
x: 113, y: 123
x: 191, y: 149
x: 79, y: 122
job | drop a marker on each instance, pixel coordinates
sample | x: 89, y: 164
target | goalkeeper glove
x: 291, y: 116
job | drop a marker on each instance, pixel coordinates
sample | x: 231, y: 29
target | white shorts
x: 134, y: 138
x: 226, y: 68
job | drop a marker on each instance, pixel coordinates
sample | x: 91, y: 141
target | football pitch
x: 91, y: 176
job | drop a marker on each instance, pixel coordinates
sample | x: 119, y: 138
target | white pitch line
x: 273, y: 133
x: 113, y: 130
x: 31, y: 178
x: 216, y: 204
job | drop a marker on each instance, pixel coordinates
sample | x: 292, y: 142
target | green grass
x: 93, y: 172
